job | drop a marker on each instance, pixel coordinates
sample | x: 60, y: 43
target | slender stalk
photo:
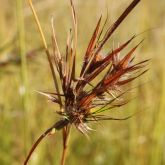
x: 158, y: 137
x: 38, y: 23
x: 55, y: 127
x: 21, y: 39
x: 48, y: 131
x: 66, y: 133
x: 45, y: 44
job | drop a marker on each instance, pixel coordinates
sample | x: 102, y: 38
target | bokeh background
x: 24, y: 114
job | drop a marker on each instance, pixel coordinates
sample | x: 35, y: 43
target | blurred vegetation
x: 24, y: 114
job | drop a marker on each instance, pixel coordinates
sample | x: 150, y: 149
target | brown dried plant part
x: 77, y: 105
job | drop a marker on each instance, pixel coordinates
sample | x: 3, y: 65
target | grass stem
x: 21, y: 42
x: 66, y: 134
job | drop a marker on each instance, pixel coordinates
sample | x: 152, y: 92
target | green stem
x: 23, y: 69
x: 158, y: 135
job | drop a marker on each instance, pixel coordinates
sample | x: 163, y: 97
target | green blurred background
x: 24, y: 114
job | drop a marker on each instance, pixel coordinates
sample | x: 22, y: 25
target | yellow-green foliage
x: 24, y: 114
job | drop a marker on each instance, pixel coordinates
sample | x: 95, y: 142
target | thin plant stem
x: 51, y: 129
x: 38, y: 24
x: 156, y: 153
x: 66, y: 134
x: 45, y: 44
x: 21, y: 40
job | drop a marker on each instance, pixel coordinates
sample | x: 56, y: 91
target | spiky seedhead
x: 78, y: 104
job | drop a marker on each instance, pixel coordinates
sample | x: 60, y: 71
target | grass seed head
x: 78, y: 104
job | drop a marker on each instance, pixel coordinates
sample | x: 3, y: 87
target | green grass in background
x: 137, y: 141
